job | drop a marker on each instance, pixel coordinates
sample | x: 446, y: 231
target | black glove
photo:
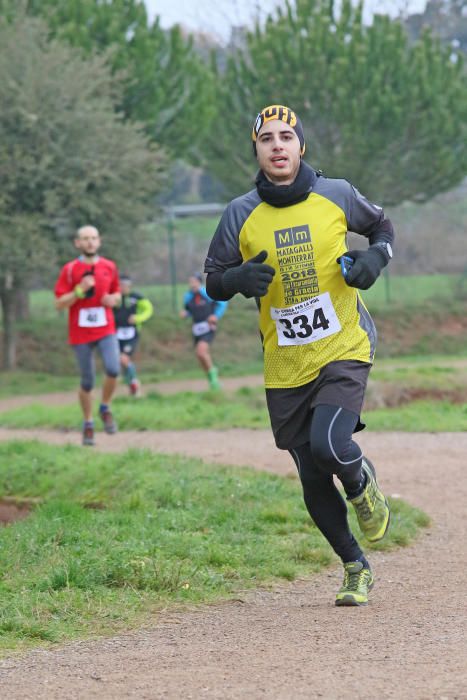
x: 251, y: 279
x: 366, y: 268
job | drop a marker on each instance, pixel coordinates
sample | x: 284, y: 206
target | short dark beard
x: 287, y: 180
x: 89, y: 257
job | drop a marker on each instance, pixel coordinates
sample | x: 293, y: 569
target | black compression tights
x: 330, y: 451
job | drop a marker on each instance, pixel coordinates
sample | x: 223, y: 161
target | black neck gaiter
x: 286, y: 195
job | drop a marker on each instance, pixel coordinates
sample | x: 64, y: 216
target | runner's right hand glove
x: 251, y: 279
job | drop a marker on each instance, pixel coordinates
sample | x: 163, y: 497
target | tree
x: 167, y: 86
x: 66, y: 158
x: 171, y: 90
x: 387, y: 114
x: 446, y: 18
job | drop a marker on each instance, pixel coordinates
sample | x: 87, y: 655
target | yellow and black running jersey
x: 310, y: 316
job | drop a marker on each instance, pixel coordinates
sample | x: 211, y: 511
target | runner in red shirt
x: 89, y: 288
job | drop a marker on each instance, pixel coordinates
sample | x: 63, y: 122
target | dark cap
x: 282, y: 113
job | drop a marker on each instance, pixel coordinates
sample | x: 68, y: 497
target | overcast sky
x: 217, y: 16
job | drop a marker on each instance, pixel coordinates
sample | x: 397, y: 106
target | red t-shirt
x: 88, y: 320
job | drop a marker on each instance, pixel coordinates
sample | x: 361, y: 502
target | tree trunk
x: 22, y: 309
x: 7, y: 299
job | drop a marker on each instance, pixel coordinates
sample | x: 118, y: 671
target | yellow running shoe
x: 371, y: 506
x: 358, y: 582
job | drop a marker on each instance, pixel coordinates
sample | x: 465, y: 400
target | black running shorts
x: 340, y: 383
x: 206, y: 337
x: 127, y: 347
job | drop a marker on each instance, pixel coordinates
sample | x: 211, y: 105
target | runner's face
x: 88, y: 241
x: 194, y: 283
x: 278, y: 152
x: 125, y: 286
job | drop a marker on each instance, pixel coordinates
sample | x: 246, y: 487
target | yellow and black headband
x: 282, y: 113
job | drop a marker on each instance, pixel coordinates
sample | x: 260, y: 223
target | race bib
x: 93, y: 317
x: 200, y: 328
x: 126, y: 333
x: 306, y: 322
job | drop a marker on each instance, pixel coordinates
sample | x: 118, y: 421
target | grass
x: 428, y: 367
x: 410, y: 291
x: 429, y: 371
x: 181, y: 411
x: 420, y: 416
x: 245, y: 408
x: 24, y: 383
x: 119, y: 537
x: 200, y: 228
x: 16, y: 383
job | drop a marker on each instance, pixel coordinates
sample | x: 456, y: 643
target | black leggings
x: 330, y: 451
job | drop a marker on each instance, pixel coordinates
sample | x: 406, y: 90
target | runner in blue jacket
x: 204, y: 313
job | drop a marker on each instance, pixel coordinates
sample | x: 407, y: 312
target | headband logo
x: 268, y: 114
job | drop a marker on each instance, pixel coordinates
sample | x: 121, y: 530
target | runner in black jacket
x: 134, y: 310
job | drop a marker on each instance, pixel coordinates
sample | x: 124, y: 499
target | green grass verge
x: 420, y: 371
x: 410, y: 291
x: 117, y: 538
x: 24, y: 383
x: 420, y: 416
x: 246, y: 408
x: 424, y: 371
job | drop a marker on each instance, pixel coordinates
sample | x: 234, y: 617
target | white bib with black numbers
x: 200, y: 328
x: 306, y: 322
x: 126, y: 333
x: 92, y: 317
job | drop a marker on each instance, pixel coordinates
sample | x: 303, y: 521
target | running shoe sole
x: 380, y: 536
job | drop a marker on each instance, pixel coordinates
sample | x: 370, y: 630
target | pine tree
x: 167, y: 86
x: 386, y: 113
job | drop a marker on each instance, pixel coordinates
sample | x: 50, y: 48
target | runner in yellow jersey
x: 285, y: 244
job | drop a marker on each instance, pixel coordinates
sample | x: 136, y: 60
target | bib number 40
x: 302, y: 326
x: 92, y: 317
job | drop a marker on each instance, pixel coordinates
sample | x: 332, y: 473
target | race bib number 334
x: 306, y: 322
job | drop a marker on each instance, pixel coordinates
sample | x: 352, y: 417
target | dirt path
x: 291, y: 642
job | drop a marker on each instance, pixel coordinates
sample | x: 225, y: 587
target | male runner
x: 133, y: 311
x: 204, y: 313
x: 89, y: 288
x: 285, y: 244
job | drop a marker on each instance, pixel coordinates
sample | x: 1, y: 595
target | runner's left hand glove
x: 366, y: 268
